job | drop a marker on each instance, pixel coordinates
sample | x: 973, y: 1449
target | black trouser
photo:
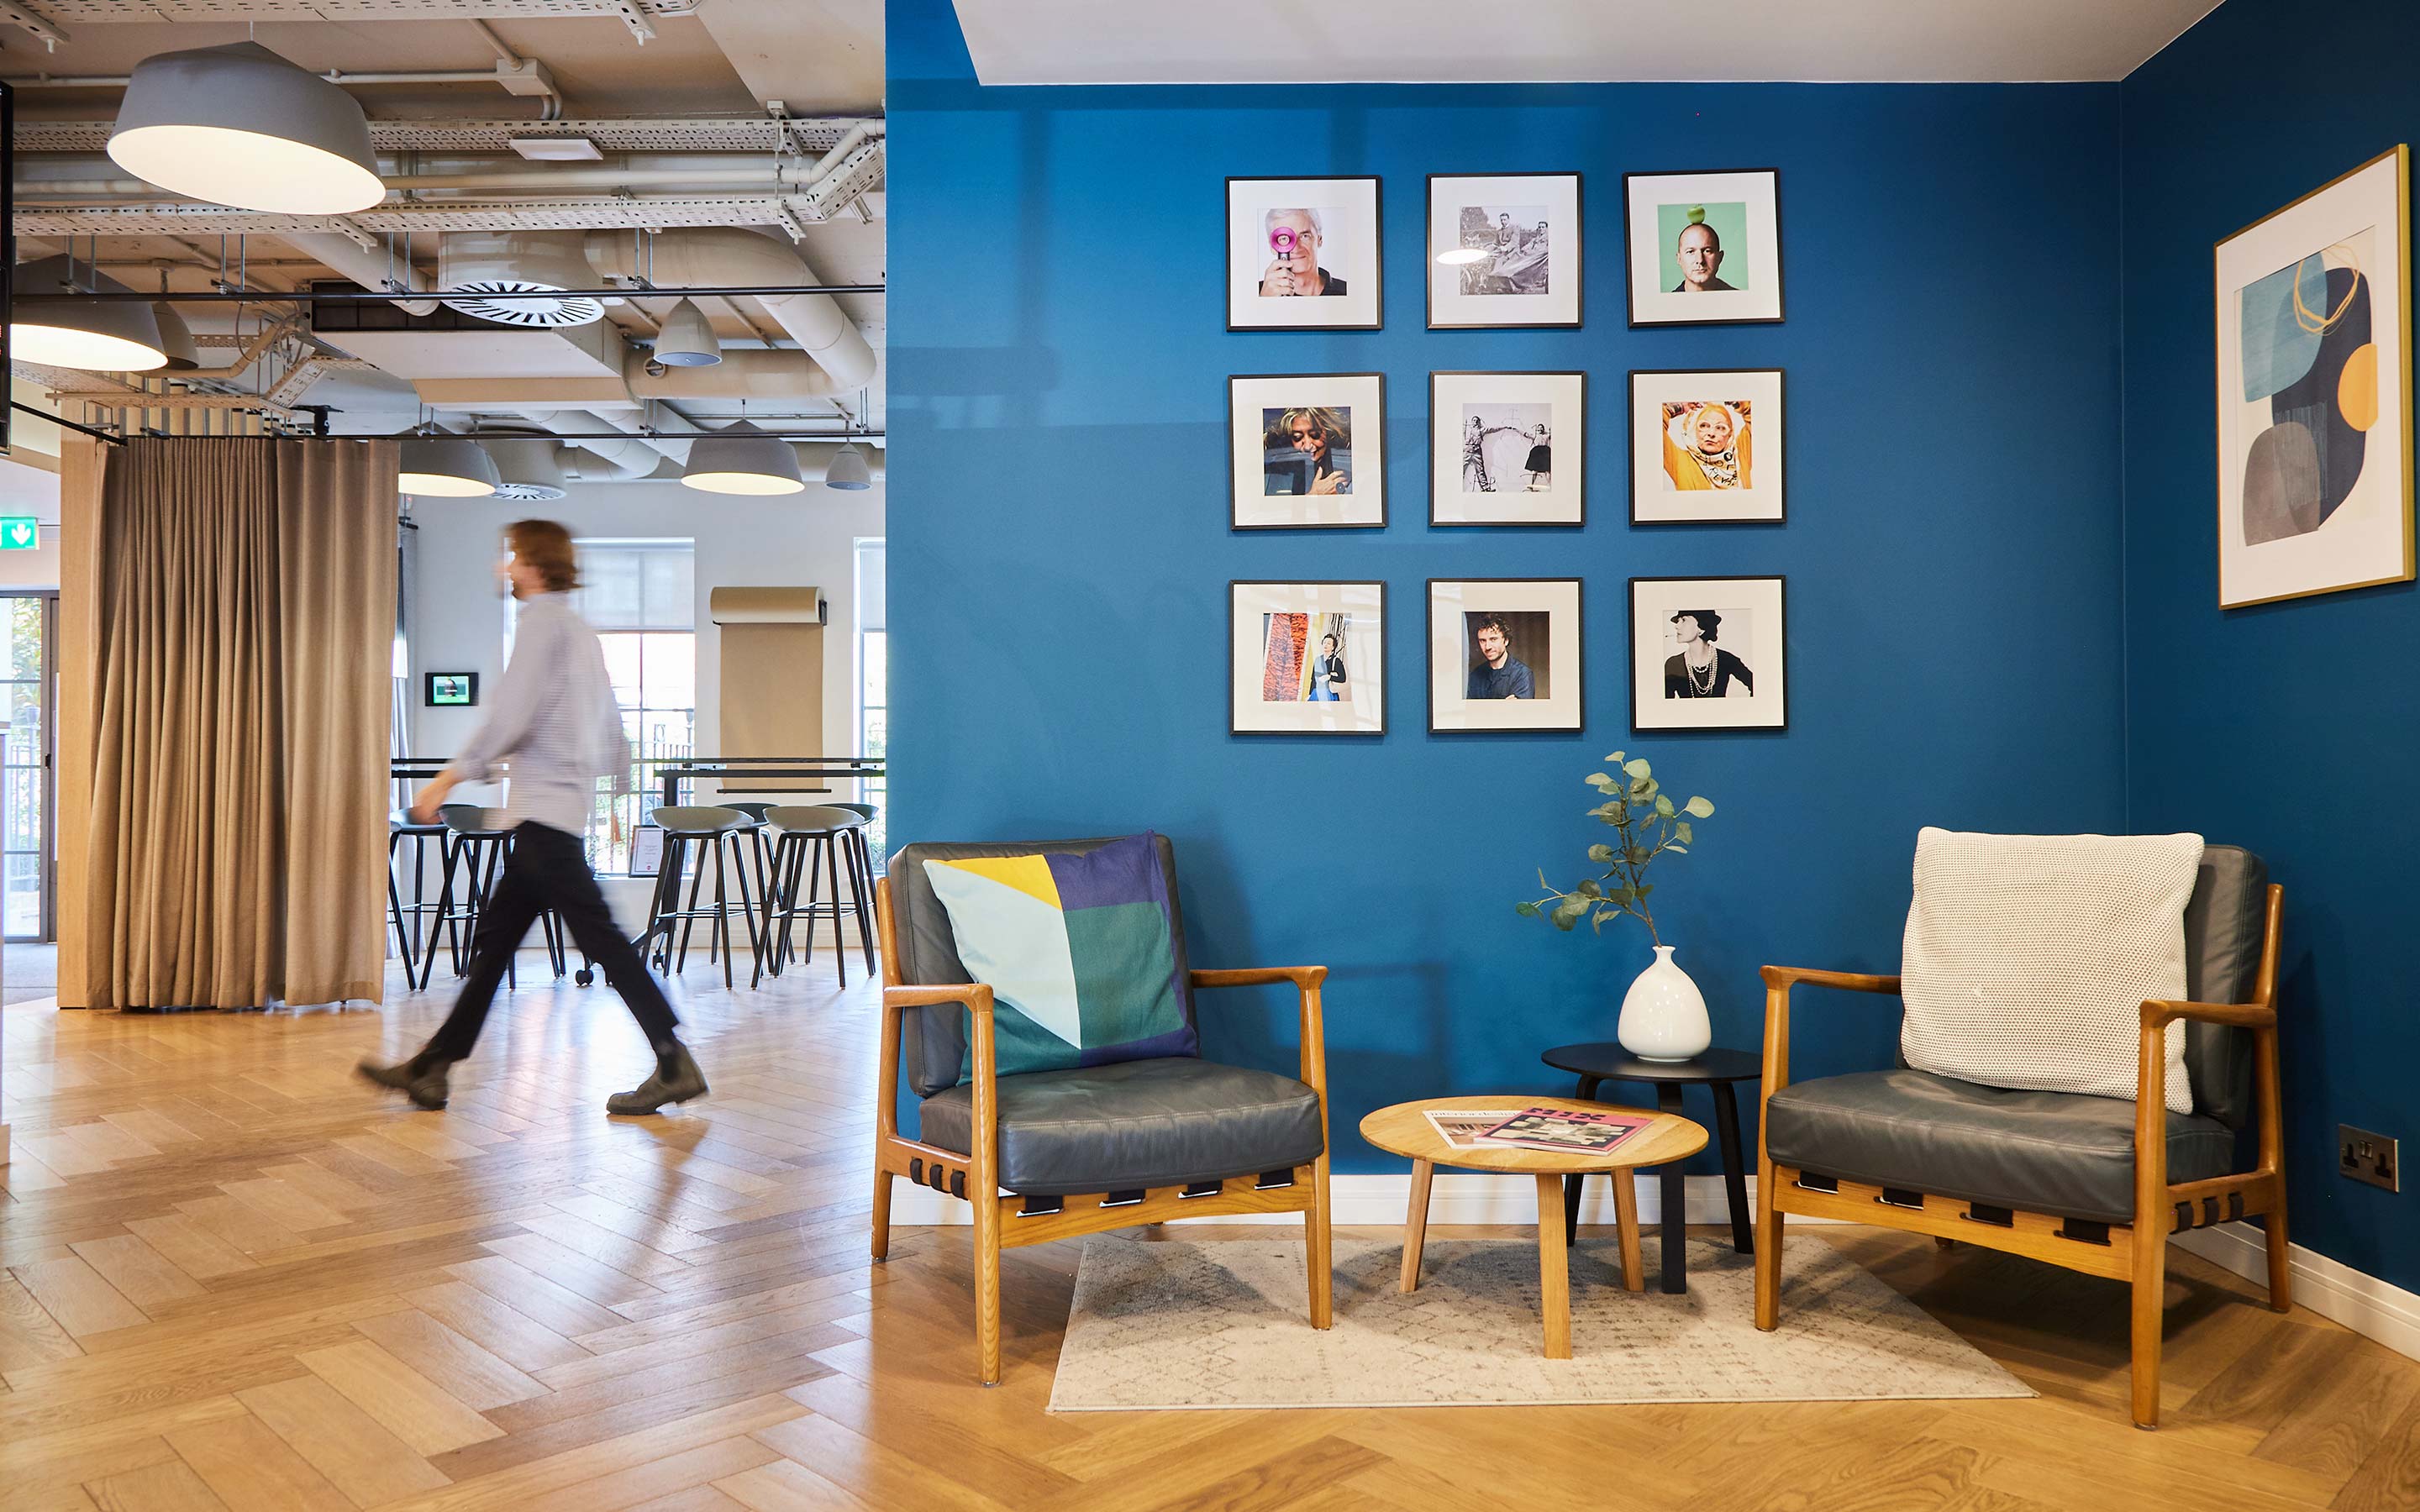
x: 547, y: 870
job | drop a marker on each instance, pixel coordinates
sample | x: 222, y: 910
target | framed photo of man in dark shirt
x: 1504, y: 654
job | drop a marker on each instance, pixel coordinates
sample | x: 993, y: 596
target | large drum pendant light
x: 740, y: 458
x: 50, y: 324
x: 446, y: 466
x: 239, y: 125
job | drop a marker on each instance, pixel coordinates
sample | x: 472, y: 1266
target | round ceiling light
x: 687, y: 339
x: 91, y: 335
x: 741, y: 459
x: 238, y: 125
x: 447, y: 467
x: 847, y: 469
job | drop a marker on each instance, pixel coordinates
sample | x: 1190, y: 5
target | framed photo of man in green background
x: 1704, y: 248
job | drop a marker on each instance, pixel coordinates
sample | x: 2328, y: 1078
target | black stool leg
x: 722, y: 932
x: 814, y: 887
x: 748, y: 900
x: 840, y: 946
x: 1734, y: 1173
x: 689, y: 923
x: 794, y: 850
x: 395, y: 904
x: 1676, y: 1204
x: 1572, y: 1185
x: 861, y: 888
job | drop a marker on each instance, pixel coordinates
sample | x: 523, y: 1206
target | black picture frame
x: 1579, y: 637
x: 428, y: 698
x: 1377, y: 246
x: 1629, y: 233
x: 1630, y: 426
x: 1630, y: 666
x: 1386, y: 502
x: 1234, y: 583
x: 1579, y: 214
x: 1435, y: 482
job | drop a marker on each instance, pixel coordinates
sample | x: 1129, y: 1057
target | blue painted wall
x: 2289, y: 727
x: 1059, y: 550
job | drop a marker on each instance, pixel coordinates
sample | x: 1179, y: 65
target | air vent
x: 474, y: 263
x: 574, y: 311
x: 528, y: 467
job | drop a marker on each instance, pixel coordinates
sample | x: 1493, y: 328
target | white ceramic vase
x: 1663, y: 1015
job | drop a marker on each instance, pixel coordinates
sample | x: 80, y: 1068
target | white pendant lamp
x: 238, y: 125
x: 741, y: 459
x: 847, y: 469
x: 176, y: 338
x: 48, y: 324
x: 687, y: 339
x: 446, y: 466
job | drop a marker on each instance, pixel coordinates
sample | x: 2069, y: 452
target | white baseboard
x: 1381, y: 1199
x: 2373, y: 1308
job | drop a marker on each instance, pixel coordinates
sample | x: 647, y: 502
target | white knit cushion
x: 2028, y: 958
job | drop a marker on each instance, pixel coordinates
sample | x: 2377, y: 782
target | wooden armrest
x: 1850, y: 981
x: 1259, y: 975
x: 975, y: 996
x: 2159, y: 1014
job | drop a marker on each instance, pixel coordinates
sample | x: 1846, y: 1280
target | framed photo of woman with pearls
x: 1708, y: 654
x: 1705, y: 447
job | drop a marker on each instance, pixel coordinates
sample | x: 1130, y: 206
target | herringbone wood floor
x: 238, y: 1278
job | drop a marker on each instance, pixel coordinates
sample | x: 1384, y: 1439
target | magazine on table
x: 1566, y: 1133
x: 1461, y: 1127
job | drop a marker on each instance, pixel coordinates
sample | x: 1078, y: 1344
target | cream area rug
x: 1226, y: 1323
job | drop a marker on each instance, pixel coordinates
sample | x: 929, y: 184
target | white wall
x: 798, y: 540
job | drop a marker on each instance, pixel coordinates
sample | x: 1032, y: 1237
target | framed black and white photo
x: 1708, y: 654
x: 1307, y: 451
x: 1504, y: 654
x: 1508, y: 448
x: 1307, y: 659
x: 1704, y: 248
x: 1705, y: 446
x: 1504, y: 250
x: 1302, y: 254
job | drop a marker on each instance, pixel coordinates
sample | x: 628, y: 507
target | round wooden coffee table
x: 1404, y: 1130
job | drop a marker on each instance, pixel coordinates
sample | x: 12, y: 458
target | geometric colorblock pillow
x: 1077, y: 952
x: 2028, y: 958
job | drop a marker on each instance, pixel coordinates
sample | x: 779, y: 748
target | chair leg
x: 881, y: 1215
x: 2150, y: 1287
x: 987, y: 1284
x: 1416, y: 1227
x: 1768, y: 1253
x: 1323, y: 1254
x: 2281, y: 1267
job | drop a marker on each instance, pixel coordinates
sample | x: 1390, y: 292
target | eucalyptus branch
x: 1646, y: 823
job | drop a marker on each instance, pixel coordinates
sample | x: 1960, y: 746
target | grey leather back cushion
x: 935, y: 1043
x: 2225, y: 923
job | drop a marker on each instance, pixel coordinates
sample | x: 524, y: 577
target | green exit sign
x: 20, y: 533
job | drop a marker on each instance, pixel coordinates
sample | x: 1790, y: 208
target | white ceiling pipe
x: 596, y: 461
x: 727, y: 256
x: 665, y: 431
x: 744, y: 373
x: 814, y: 459
x: 367, y: 267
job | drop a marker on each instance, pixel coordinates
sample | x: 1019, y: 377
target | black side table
x: 1717, y: 1069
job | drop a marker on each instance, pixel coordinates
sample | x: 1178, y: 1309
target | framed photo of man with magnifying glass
x: 1302, y: 254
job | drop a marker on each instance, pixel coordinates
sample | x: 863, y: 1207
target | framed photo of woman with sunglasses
x: 1302, y: 254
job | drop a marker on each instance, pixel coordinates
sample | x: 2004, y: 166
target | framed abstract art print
x: 2315, y: 392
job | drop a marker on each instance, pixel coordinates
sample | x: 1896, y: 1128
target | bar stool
x: 810, y: 843
x: 859, y: 843
x: 480, y: 848
x: 406, y: 917
x: 760, y: 855
x: 711, y: 836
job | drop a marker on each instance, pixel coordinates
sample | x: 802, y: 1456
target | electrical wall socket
x: 2368, y: 1157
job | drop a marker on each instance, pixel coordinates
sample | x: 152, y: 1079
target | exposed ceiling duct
x: 529, y: 467
x: 379, y: 268
x: 472, y: 263
x: 729, y: 256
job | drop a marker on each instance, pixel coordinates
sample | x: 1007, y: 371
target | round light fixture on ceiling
x: 446, y: 466
x: 741, y: 459
x: 91, y: 335
x: 176, y: 338
x: 687, y: 339
x: 238, y: 125
x: 847, y: 469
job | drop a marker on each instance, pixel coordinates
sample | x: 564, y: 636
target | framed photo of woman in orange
x: 1705, y: 447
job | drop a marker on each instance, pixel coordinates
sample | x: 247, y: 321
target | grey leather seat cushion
x: 2057, y: 1153
x: 1139, y: 1124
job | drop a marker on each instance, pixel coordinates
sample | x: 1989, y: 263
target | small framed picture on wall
x: 1504, y: 654
x: 1708, y: 654
x: 1705, y: 446
x: 1302, y: 254
x: 1504, y: 250
x: 1307, y: 451
x: 1307, y: 659
x: 1508, y: 448
x: 1704, y: 248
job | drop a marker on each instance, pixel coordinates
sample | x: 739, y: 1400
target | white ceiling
x: 1562, y: 41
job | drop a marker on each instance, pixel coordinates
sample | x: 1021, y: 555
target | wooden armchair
x: 1056, y: 1154
x: 2090, y: 1183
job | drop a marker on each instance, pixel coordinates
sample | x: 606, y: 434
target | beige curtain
x: 241, y: 620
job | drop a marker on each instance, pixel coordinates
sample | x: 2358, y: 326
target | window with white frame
x: 641, y: 597
x: 873, y: 685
